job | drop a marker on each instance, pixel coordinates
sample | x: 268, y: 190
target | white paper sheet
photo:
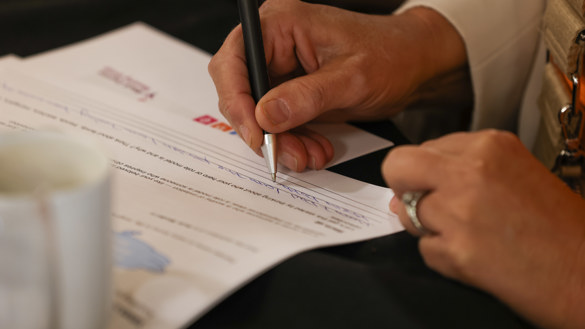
x: 150, y: 67
x: 8, y: 60
x: 195, y: 215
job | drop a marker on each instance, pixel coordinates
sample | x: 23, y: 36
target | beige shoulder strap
x: 560, y: 143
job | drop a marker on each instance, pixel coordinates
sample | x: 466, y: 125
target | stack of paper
x: 195, y: 214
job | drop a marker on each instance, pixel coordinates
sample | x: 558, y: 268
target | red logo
x: 209, y: 120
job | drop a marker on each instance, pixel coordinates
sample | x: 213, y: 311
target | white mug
x: 55, y: 232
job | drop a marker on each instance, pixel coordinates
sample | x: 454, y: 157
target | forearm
x: 441, y: 44
x: 501, y: 38
x: 445, y: 79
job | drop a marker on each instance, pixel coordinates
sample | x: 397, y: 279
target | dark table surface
x: 380, y: 283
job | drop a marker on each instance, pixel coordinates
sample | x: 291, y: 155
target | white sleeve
x: 501, y: 38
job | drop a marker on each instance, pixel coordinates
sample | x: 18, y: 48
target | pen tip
x: 274, y: 177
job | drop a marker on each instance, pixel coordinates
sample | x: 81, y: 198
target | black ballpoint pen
x: 257, y: 72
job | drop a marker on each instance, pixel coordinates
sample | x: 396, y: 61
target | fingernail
x: 288, y: 161
x: 276, y: 111
x: 312, y: 163
x: 245, y: 134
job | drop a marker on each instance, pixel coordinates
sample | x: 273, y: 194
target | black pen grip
x: 255, y: 57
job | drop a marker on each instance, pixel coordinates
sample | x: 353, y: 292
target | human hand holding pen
x: 329, y: 64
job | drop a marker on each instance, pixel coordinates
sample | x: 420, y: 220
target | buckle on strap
x: 570, y: 163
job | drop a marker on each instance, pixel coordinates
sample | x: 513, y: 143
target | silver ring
x: 411, y: 201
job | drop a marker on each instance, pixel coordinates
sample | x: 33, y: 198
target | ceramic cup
x: 55, y: 232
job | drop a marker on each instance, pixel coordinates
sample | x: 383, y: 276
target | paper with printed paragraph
x: 195, y: 215
x: 152, y: 68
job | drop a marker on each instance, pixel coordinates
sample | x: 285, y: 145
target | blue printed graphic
x: 134, y: 254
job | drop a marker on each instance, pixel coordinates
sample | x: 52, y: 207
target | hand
x: 330, y: 64
x: 500, y: 221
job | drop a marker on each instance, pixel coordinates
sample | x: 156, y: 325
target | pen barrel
x: 255, y: 57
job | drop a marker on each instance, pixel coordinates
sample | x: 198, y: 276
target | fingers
x: 428, y: 211
x: 426, y: 169
x: 405, y: 169
x: 298, y: 149
x: 319, y: 149
x: 303, y: 148
x: 412, y: 168
x: 230, y: 76
x: 302, y: 99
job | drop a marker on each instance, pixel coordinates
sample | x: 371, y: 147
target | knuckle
x: 399, y: 157
x: 212, y: 66
x: 493, y: 139
x: 225, y: 109
x: 222, y: 106
x: 480, y: 168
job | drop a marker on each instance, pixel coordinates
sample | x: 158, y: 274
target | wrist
x: 571, y: 313
x: 441, y: 48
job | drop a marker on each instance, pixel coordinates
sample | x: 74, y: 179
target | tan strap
x: 562, y: 25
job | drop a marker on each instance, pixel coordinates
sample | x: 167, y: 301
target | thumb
x: 302, y: 99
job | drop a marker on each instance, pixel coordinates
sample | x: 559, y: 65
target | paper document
x: 151, y: 68
x: 8, y: 60
x: 195, y: 215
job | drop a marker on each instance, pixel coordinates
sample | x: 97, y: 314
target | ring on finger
x: 411, y: 201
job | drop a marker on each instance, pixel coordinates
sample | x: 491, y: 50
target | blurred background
x: 28, y: 27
